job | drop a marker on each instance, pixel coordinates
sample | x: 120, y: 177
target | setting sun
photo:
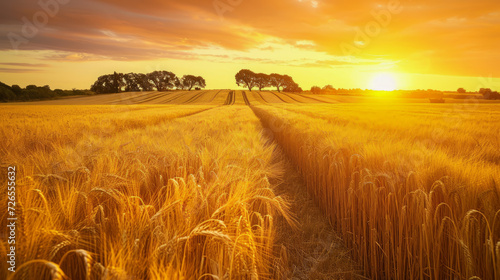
x: 383, y: 81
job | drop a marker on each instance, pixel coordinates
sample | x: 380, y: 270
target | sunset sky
x: 439, y: 44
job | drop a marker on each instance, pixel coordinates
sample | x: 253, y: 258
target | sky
x: 420, y: 44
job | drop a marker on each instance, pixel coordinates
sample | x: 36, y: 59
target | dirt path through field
x: 231, y: 98
x: 313, y: 250
x: 245, y: 98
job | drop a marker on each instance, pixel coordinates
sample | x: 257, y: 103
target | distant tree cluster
x: 190, y: 81
x: 157, y: 80
x: 489, y: 94
x: 32, y: 92
x: 421, y: 93
x: 328, y: 89
x: 249, y: 79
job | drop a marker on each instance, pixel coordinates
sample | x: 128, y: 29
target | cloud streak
x: 17, y: 70
x: 24, y: 64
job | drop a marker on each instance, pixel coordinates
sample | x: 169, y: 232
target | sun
x: 383, y: 81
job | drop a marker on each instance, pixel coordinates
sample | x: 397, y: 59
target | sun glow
x: 383, y: 81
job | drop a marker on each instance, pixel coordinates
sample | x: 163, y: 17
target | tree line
x: 157, y: 80
x: 249, y: 79
x: 32, y: 92
x: 489, y: 94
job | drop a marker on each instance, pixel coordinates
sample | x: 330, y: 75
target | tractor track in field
x: 231, y: 98
x: 321, y: 101
x: 279, y: 97
x: 213, y: 98
x: 131, y: 99
x: 172, y: 99
x: 262, y: 97
x: 139, y: 99
x: 262, y: 100
x: 157, y: 96
x: 313, y: 250
x: 177, y: 97
x: 245, y: 98
x: 195, y: 97
x: 293, y: 98
x: 311, y: 98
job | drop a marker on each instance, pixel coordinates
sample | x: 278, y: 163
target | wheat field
x: 205, y: 184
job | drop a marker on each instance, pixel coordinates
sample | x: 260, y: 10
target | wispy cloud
x: 24, y: 64
x: 19, y: 70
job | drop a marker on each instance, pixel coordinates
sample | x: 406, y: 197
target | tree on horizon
x: 278, y: 80
x: 246, y: 78
x: 162, y: 80
x: 190, y: 81
x: 262, y: 80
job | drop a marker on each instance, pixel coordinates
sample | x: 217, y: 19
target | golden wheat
x: 166, y: 195
x: 410, y: 204
x: 190, y: 192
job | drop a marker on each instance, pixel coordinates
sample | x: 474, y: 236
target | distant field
x: 219, y: 97
x: 211, y: 97
x: 196, y: 185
